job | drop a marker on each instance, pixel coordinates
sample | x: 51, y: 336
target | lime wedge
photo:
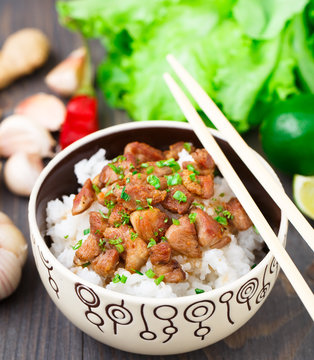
x: 303, y: 193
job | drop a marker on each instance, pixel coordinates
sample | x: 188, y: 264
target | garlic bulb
x: 44, y: 109
x: 21, y: 172
x: 66, y: 77
x: 19, y: 133
x: 10, y: 273
x: 13, y: 254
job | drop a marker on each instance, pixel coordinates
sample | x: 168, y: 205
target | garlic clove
x: 21, y: 172
x: 19, y: 133
x: 10, y: 273
x: 4, y: 219
x: 12, y: 240
x: 44, y: 109
x: 66, y: 77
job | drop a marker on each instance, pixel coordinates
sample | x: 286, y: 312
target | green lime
x: 287, y: 135
x: 303, y: 194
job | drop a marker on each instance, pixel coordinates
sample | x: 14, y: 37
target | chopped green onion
x: 115, y: 241
x: 175, y: 222
x: 219, y: 209
x: 139, y: 176
x: 116, y: 279
x: 117, y: 169
x: 180, y: 196
x: 133, y: 236
x: 154, y: 181
x: 164, y: 239
x: 227, y: 214
x: 149, y: 201
x: 120, y: 248
x: 199, y: 205
x: 86, y: 264
x: 174, y: 179
x: 138, y: 272
x: 192, y: 168
x: 199, y: 291
x: 86, y: 231
x: 192, y: 177
x: 138, y: 201
x: 77, y: 245
x: 131, y: 167
x: 159, y: 279
x: 96, y: 188
x: 187, y: 146
x: 222, y: 220
x: 123, y: 279
x: 125, y: 217
x: 150, y: 274
x: 166, y: 220
x: 134, y: 172
x: 66, y: 236
x: 124, y: 195
x: 151, y: 243
x: 222, y: 194
x: 156, y: 233
x: 170, y: 162
x: 150, y: 170
x: 253, y: 266
x: 103, y: 215
x: 119, y: 157
x: 192, y: 218
x: 127, y: 180
x: 101, y: 244
x: 144, y: 165
x: 97, y: 231
x: 110, y: 204
x: 140, y: 208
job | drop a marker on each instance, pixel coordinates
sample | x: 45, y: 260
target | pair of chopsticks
x: 254, y: 164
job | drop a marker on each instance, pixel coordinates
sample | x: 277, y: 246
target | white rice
x: 216, y: 268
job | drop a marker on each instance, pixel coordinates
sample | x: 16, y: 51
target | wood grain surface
x: 31, y: 327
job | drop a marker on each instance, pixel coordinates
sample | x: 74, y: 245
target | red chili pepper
x: 81, y: 116
x: 81, y: 119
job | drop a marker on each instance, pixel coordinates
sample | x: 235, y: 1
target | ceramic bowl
x: 139, y: 324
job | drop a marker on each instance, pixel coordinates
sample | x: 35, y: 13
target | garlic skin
x: 10, y: 273
x: 21, y: 172
x: 13, y: 254
x: 19, y: 133
x: 66, y: 77
x: 44, y: 109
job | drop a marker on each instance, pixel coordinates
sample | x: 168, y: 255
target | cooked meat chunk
x: 172, y: 271
x: 106, y: 263
x: 116, y: 170
x: 183, y: 239
x: 136, y: 254
x: 131, y: 196
x: 160, y: 254
x: 150, y: 223
x: 203, y: 159
x: 152, y: 168
x: 97, y: 223
x: 135, y: 251
x: 88, y: 250
x: 225, y: 240
x: 240, y: 219
x: 143, y: 152
x: 201, y: 185
x: 163, y: 264
x: 174, y: 150
x: 177, y: 206
x: 209, y: 232
x: 119, y: 216
x: 196, y: 168
x: 84, y: 199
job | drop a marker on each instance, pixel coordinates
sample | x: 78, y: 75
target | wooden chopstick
x: 274, y: 245
x: 242, y: 149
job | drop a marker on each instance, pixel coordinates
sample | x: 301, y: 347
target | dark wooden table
x: 31, y: 327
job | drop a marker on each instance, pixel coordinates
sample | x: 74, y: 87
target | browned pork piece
x: 105, y: 264
x: 135, y: 252
x: 84, y: 199
x: 143, y: 152
x: 150, y: 223
x: 174, y: 149
x: 116, y: 170
x: 240, y: 219
x: 97, y: 223
x: 183, y: 239
x: 203, y: 159
x: 119, y: 216
x: 177, y: 206
x: 131, y: 196
x: 151, y: 168
x: 88, y: 251
x: 163, y: 264
x: 200, y: 185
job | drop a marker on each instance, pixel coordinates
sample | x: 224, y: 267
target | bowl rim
x: 103, y: 292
